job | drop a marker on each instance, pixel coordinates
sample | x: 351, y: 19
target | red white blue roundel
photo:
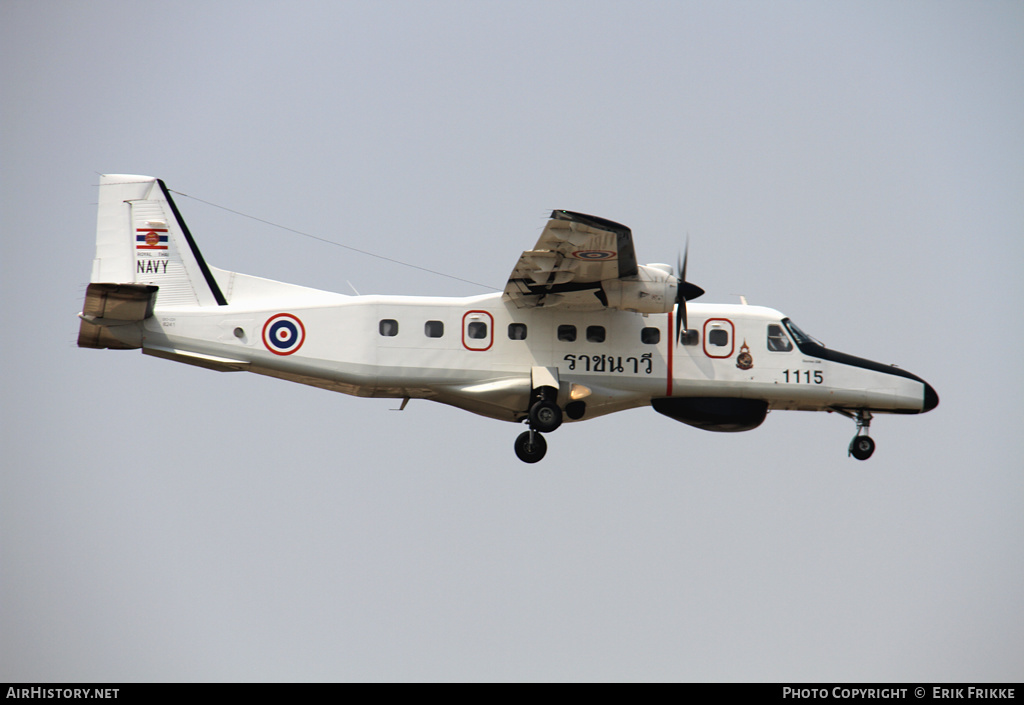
x: 283, y: 334
x: 593, y: 255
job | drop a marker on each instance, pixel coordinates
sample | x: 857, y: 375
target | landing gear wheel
x: 861, y: 447
x: 545, y: 416
x: 531, y: 446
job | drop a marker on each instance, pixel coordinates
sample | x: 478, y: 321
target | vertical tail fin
x: 145, y: 257
x: 142, y: 239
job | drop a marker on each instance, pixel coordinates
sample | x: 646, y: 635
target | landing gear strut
x: 862, y: 445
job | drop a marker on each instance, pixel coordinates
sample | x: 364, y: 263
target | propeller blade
x: 680, y: 318
x: 685, y: 292
x: 680, y: 299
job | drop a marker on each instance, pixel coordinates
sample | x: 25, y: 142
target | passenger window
x: 650, y: 336
x: 434, y: 329
x: 595, y: 334
x: 719, y: 337
x: 517, y: 331
x: 477, y: 330
x: 567, y: 333
x: 389, y: 327
x: 777, y: 339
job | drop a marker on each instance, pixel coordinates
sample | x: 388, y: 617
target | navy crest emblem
x: 744, y: 360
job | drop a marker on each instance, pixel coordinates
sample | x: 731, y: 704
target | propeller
x: 685, y: 292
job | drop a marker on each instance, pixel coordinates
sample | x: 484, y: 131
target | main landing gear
x: 862, y: 445
x: 544, y: 417
x: 531, y: 446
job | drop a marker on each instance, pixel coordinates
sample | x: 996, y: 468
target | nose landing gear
x: 862, y: 445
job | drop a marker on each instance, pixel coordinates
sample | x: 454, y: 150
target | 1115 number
x: 794, y: 376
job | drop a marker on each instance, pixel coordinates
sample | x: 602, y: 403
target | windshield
x: 799, y: 336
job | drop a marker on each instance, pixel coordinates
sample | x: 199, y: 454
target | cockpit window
x: 799, y: 336
x: 777, y: 340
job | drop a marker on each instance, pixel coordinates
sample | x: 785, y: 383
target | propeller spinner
x: 685, y: 292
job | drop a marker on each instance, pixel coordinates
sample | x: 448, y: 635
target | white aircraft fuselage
x: 493, y: 355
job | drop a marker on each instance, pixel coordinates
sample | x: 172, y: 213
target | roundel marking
x: 283, y: 334
x: 593, y: 255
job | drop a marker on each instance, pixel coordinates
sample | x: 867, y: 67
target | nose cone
x: 931, y: 399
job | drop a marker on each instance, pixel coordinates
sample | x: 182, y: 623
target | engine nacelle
x: 652, y: 291
x: 714, y: 413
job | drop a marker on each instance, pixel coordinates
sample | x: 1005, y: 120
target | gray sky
x: 857, y: 165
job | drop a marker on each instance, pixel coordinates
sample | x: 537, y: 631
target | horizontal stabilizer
x: 118, y: 306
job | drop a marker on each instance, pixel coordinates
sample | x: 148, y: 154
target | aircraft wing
x: 567, y: 266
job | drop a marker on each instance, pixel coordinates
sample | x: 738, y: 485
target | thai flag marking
x: 150, y: 239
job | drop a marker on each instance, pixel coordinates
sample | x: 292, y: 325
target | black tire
x: 530, y: 452
x: 861, y: 447
x: 545, y: 416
